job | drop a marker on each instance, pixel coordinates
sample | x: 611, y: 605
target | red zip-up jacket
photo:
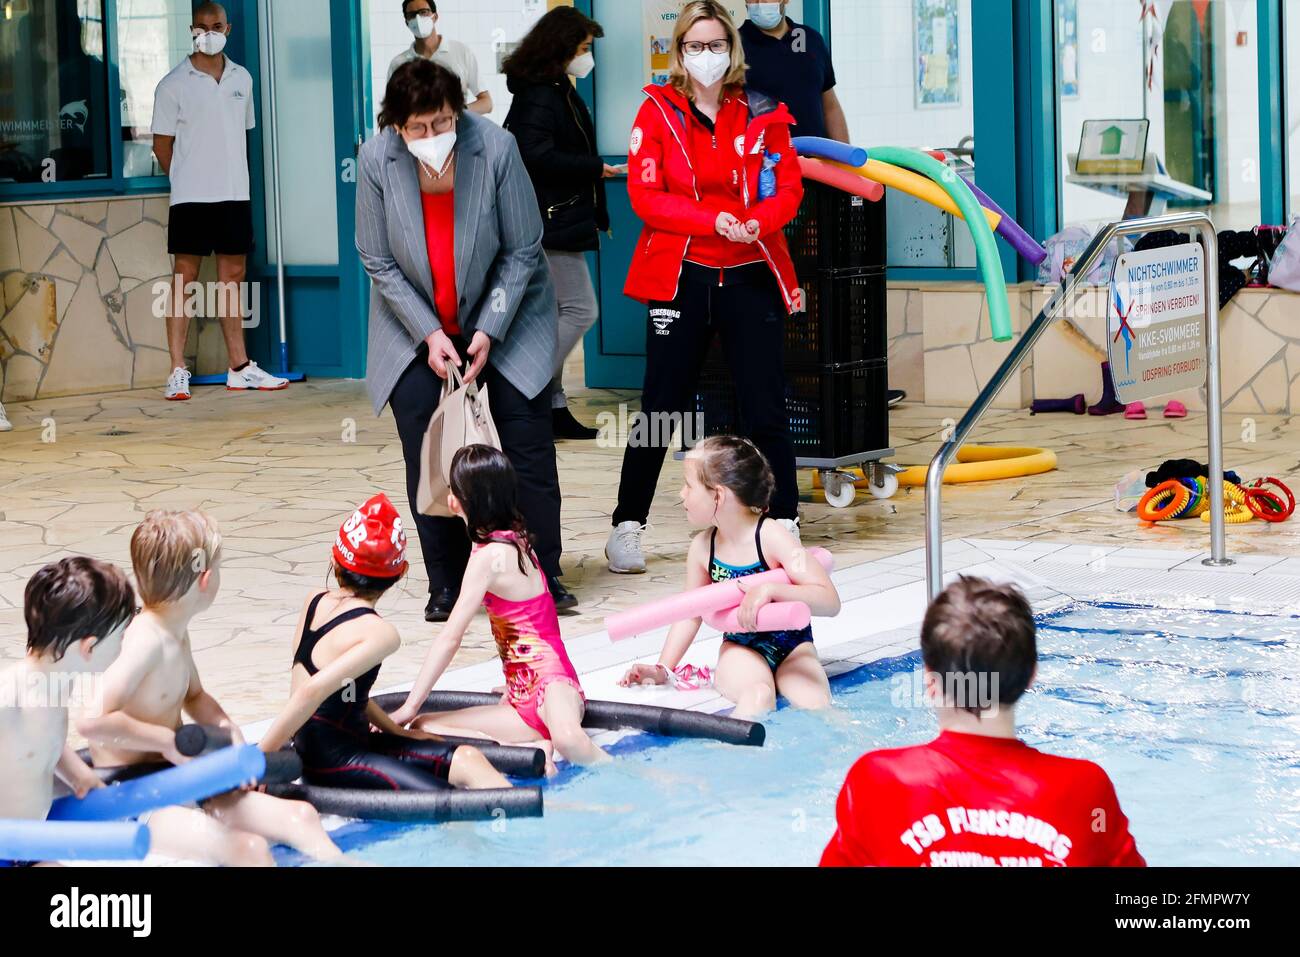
x: 681, y: 176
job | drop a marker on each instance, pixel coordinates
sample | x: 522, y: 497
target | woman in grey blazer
x: 449, y: 231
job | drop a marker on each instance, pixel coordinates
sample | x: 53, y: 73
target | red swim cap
x: 372, y: 542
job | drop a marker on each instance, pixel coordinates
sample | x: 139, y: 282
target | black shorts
x: 201, y: 229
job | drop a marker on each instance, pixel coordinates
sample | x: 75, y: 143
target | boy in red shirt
x: 976, y: 796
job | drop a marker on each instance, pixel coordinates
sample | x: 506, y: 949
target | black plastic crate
x: 834, y: 230
x: 844, y: 319
x: 834, y: 411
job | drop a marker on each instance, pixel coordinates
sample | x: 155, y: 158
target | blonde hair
x: 170, y: 550
x: 693, y: 13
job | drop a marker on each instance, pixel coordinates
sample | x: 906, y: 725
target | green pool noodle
x: 986, y: 248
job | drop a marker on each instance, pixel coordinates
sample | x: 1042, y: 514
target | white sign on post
x: 1157, y: 315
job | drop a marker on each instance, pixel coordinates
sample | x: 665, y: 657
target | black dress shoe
x: 441, y: 602
x: 896, y: 396
x: 565, y: 426
x: 564, y: 599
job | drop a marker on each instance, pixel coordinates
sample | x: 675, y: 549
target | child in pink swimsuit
x: 543, y: 699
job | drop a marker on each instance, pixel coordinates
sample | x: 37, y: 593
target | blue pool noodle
x: 196, y: 780
x: 72, y: 841
x: 818, y: 147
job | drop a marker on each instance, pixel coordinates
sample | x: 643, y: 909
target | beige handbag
x: 462, y: 418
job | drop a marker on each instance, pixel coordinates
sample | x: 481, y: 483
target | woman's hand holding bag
x: 462, y: 418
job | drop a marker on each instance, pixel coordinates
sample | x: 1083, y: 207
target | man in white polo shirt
x: 421, y: 18
x: 203, y: 110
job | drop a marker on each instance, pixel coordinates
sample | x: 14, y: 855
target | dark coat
x: 558, y: 143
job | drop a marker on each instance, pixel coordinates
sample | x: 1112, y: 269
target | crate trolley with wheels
x: 836, y: 348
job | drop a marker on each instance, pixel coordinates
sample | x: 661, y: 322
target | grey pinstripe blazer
x: 502, y: 278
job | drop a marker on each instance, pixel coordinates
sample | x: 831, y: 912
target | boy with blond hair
x: 177, y: 562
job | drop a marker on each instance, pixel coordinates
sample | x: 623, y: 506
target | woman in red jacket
x: 713, y: 175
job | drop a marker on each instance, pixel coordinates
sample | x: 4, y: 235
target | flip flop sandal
x: 1135, y: 410
x: 1175, y: 410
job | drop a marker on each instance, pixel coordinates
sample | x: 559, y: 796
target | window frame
x: 115, y: 184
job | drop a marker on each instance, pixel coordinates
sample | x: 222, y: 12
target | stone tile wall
x: 77, y: 306
x: 941, y: 353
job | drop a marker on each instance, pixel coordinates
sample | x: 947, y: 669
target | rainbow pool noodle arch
x: 898, y: 166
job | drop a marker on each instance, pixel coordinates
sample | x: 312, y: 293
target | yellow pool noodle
x: 914, y: 184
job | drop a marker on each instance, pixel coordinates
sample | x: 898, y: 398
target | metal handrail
x: 1203, y: 227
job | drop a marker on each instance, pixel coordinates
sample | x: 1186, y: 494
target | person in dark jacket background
x: 558, y: 143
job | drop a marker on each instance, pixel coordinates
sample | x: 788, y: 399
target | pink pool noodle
x: 697, y: 602
x: 841, y: 179
x: 774, y: 616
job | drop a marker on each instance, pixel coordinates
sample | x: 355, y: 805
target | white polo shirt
x: 210, y: 121
x: 455, y: 56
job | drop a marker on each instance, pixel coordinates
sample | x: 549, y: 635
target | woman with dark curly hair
x: 558, y: 143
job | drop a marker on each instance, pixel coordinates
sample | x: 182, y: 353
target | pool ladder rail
x: 1202, y: 227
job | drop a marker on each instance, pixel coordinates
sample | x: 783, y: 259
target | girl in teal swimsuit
x: 728, y: 486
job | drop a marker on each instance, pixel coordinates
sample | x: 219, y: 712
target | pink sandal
x: 1135, y: 410
x: 1175, y: 410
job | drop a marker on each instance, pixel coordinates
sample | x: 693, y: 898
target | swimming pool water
x: 1193, y: 714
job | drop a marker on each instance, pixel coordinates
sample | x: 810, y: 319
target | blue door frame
x: 326, y: 304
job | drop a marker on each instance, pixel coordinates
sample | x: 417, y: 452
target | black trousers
x: 746, y: 309
x: 525, y: 428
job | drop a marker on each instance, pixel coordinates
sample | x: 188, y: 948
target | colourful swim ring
x: 985, y: 463
x: 1266, y: 505
x: 1164, y: 502
x: 1290, y: 498
x: 1235, y: 510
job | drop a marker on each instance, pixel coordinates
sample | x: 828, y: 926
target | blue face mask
x: 766, y: 16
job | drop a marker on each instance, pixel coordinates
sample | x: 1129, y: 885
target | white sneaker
x: 624, y: 549
x: 178, y: 385
x: 252, y: 377
x: 791, y: 525
x: 5, y: 424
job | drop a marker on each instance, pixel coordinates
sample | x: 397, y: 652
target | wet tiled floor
x: 280, y: 470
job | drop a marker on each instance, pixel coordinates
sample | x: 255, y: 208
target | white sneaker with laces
x: 253, y: 377
x: 791, y: 525
x: 5, y: 424
x: 624, y: 549
x: 178, y: 385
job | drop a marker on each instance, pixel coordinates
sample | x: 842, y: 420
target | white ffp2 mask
x: 210, y: 42
x: 434, y: 151
x: 709, y: 67
x: 581, y: 66
x: 422, y: 27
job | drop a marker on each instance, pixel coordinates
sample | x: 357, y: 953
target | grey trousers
x: 578, y: 311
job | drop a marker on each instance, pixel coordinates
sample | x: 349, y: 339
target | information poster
x: 937, y: 49
x: 1157, y: 322
x: 660, y: 18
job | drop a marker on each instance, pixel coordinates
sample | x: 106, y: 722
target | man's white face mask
x: 209, y: 42
x: 421, y: 25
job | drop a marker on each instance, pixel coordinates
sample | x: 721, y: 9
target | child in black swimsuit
x: 728, y: 486
x: 341, y: 643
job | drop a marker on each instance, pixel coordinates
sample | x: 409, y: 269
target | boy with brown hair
x: 177, y: 559
x: 977, y: 796
x: 76, y: 610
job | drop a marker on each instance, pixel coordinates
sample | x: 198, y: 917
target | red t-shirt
x: 440, y: 236
x: 967, y: 800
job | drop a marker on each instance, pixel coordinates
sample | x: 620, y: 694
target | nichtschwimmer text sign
x: 1156, y: 339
